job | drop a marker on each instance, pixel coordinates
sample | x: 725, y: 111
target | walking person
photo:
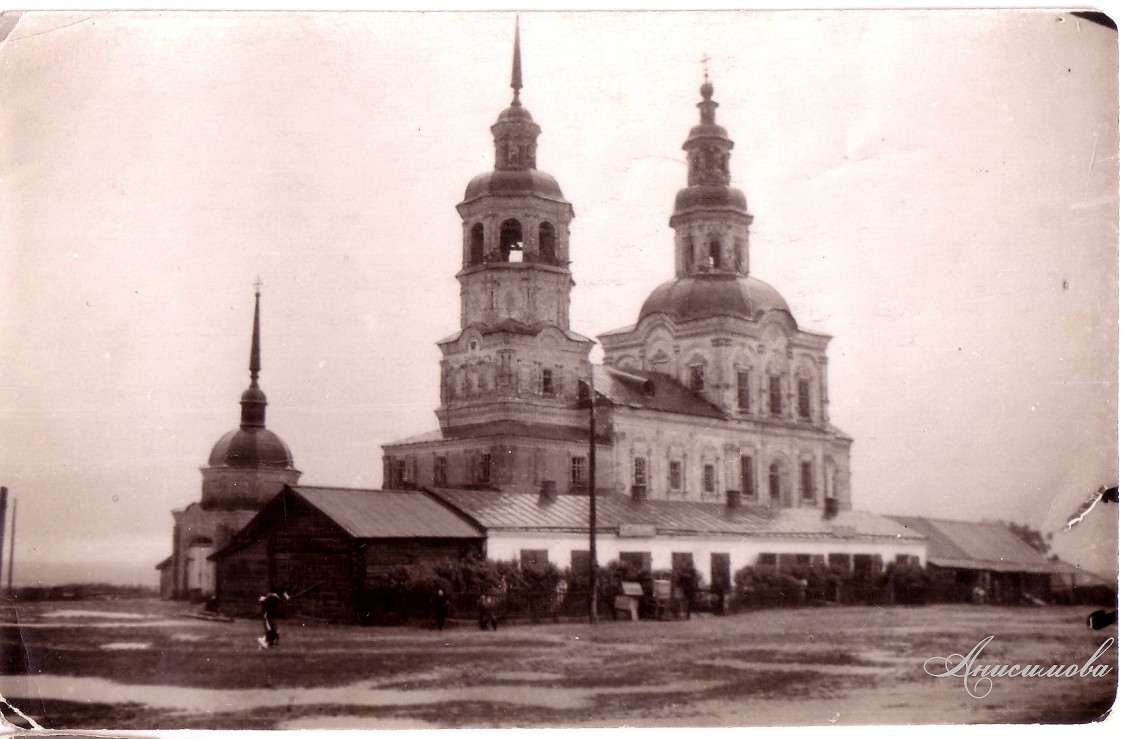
x: 271, y: 604
x: 441, y: 609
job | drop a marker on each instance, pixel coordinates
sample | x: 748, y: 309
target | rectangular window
x: 388, y: 473
x: 720, y: 569
x: 808, y: 485
x: 743, y: 391
x: 533, y: 557
x: 675, y: 476
x: 696, y: 380
x: 639, y: 561
x: 547, y: 382
x: 708, y: 478
x: 580, y: 562
x: 682, y: 561
x: 484, y: 468
x: 775, y: 395
x: 441, y: 471
x: 804, y: 405
x: 400, y: 473
x: 640, y: 473
x: 803, y: 559
x: 746, y: 468
x: 578, y: 473
x: 840, y: 562
x: 767, y: 560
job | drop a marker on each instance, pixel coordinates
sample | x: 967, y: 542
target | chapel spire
x: 253, y: 399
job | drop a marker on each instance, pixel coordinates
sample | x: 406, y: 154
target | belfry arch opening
x: 547, y: 243
x: 476, y: 244
x: 511, y: 240
x: 715, y: 254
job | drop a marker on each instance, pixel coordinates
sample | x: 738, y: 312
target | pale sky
x: 936, y: 190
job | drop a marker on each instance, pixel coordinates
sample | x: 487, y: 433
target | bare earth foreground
x: 140, y: 665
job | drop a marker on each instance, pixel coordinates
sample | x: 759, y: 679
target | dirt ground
x: 142, y: 665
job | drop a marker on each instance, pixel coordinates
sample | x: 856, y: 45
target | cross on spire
x: 258, y: 286
x: 705, y: 61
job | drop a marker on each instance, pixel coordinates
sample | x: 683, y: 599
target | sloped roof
x: 381, y: 514
x: 501, y: 511
x: 976, y: 546
x: 651, y: 391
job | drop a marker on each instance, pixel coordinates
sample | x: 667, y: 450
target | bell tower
x: 515, y: 353
x: 515, y: 230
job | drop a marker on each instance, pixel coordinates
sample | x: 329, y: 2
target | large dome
x: 706, y: 296
x: 253, y: 448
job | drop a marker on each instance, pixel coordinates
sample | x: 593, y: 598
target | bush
x: 906, y: 583
x: 764, y: 587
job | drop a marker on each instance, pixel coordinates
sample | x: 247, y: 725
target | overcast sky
x: 936, y: 190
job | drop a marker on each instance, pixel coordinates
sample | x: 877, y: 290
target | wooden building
x: 983, y: 562
x: 332, y: 543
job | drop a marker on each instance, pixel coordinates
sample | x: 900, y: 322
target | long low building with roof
x: 986, y: 557
x: 717, y: 540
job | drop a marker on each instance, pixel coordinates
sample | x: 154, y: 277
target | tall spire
x: 253, y: 399
x: 255, y: 341
x: 517, y: 68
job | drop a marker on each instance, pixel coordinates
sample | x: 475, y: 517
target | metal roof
x: 976, y: 546
x: 499, y: 511
x: 654, y: 391
x: 381, y: 514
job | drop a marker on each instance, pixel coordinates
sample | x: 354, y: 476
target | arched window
x: 716, y: 254
x: 476, y: 244
x: 511, y: 239
x: 547, y: 243
x: 804, y: 400
x: 775, y: 483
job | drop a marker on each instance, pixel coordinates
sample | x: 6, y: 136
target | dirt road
x: 139, y: 665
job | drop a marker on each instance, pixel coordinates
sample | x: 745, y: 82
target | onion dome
x: 252, y: 445
x: 708, y: 147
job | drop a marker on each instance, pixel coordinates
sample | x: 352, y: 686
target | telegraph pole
x: 593, y: 485
x: 3, y: 522
x: 12, y: 545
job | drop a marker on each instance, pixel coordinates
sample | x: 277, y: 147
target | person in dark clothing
x: 441, y: 608
x: 271, y: 604
x: 486, y: 606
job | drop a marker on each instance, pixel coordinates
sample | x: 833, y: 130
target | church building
x: 715, y: 397
x: 246, y: 469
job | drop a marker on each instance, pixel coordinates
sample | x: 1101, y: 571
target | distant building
x: 246, y: 469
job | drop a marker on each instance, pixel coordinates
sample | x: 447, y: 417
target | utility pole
x: 12, y: 545
x: 593, y: 486
x: 3, y: 522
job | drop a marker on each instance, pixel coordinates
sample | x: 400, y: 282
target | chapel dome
x: 710, y: 295
x: 251, y: 448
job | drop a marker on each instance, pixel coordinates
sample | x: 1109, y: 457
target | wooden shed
x: 332, y: 542
x: 982, y: 558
